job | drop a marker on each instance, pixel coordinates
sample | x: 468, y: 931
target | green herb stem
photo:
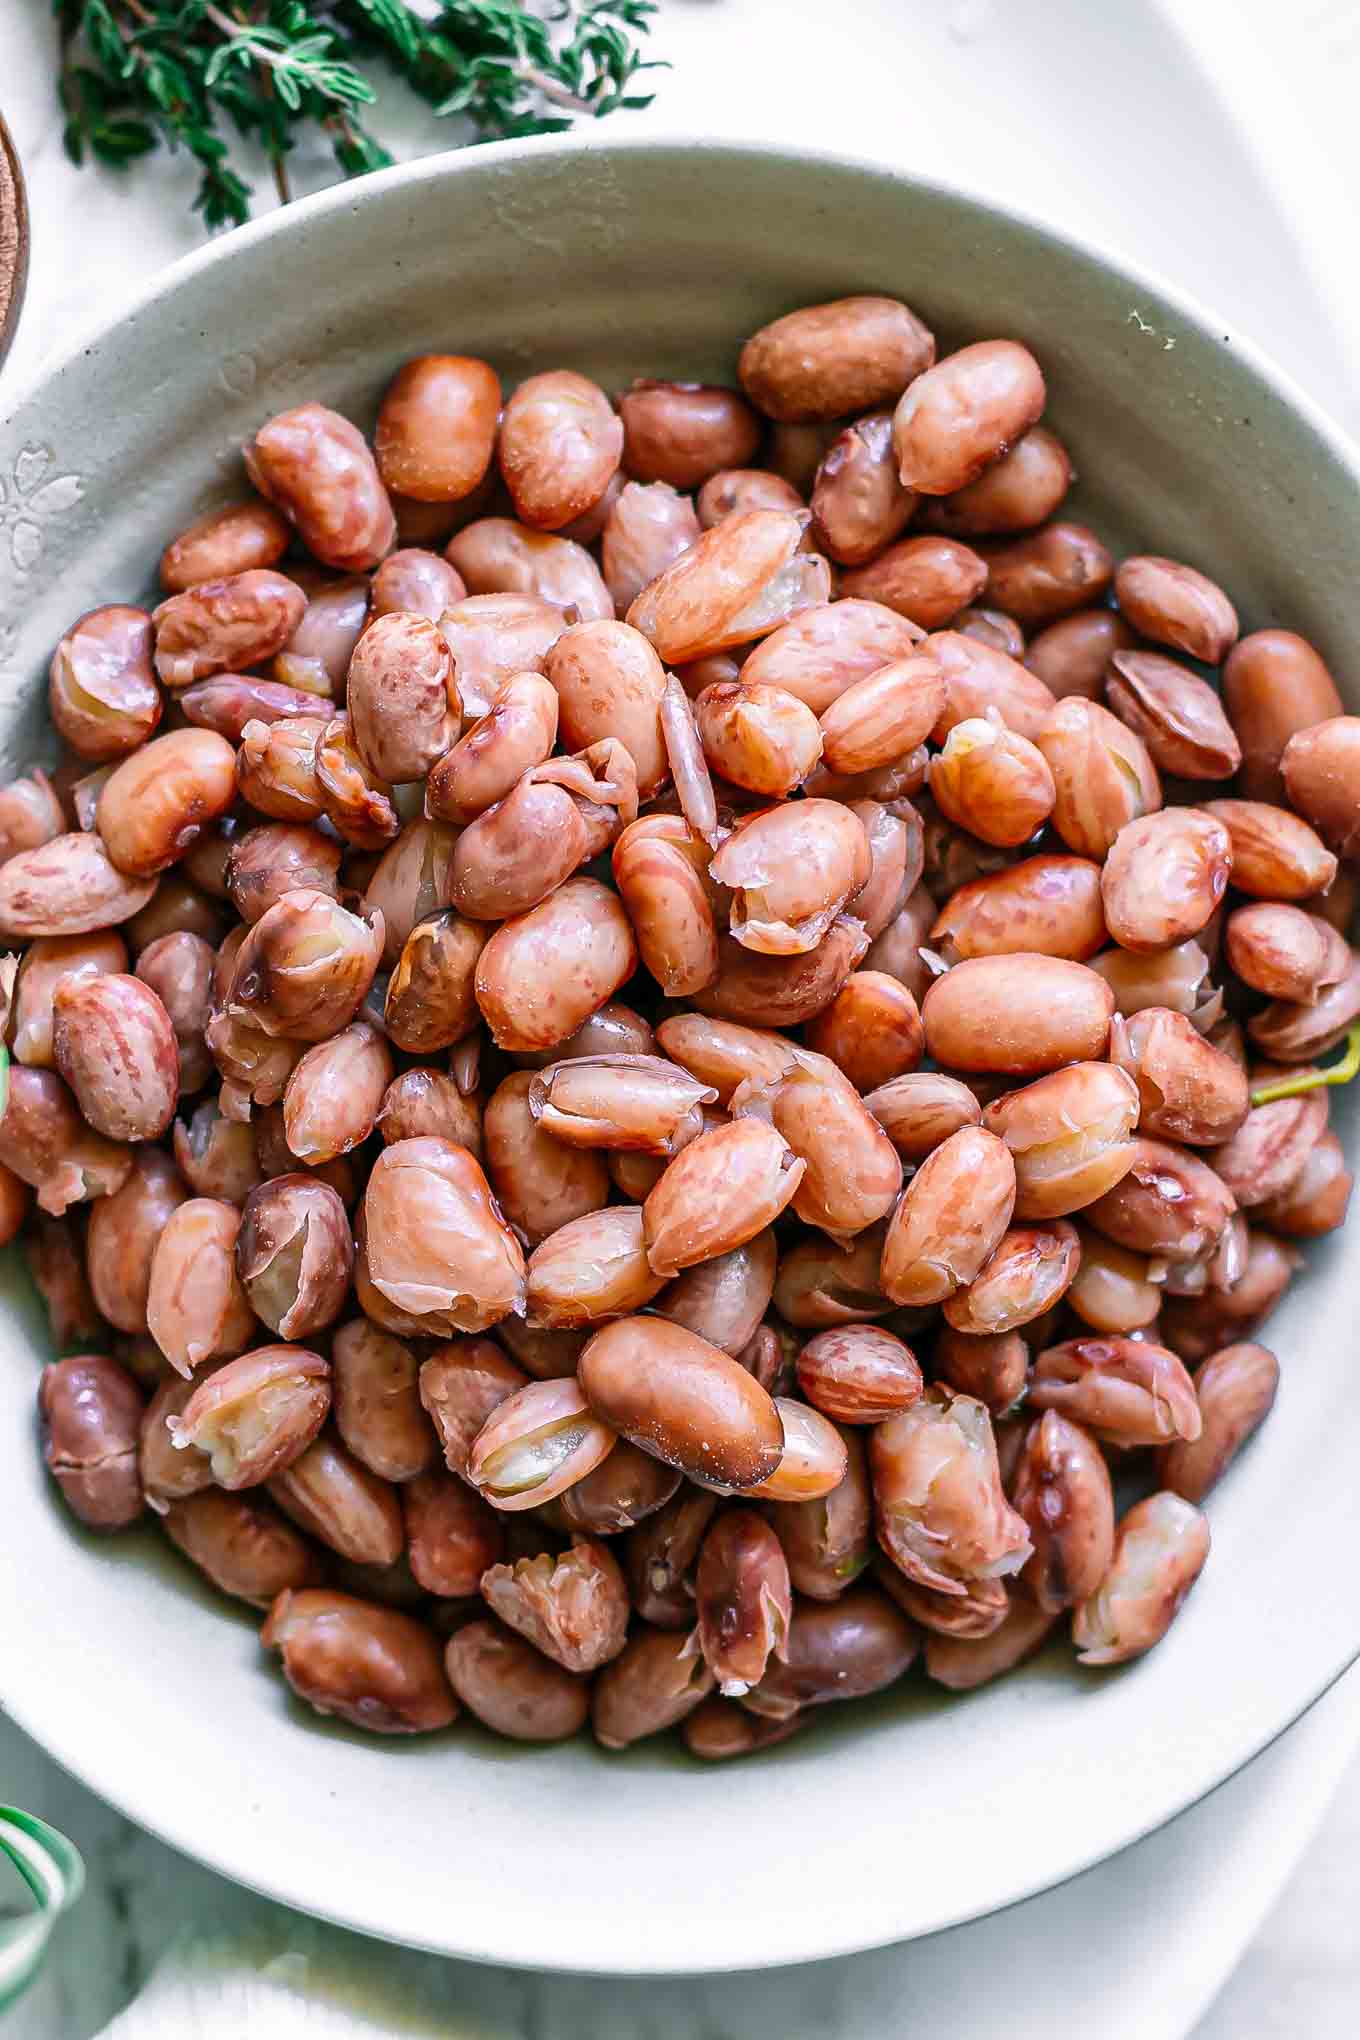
x: 1312, y: 1079
x: 201, y: 76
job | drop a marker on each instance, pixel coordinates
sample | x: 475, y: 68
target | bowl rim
x: 352, y: 193
x: 436, y: 169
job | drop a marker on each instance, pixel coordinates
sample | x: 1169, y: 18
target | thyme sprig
x: 200, y: 76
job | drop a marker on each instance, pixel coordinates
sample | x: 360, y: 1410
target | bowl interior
x: 914, y: 1812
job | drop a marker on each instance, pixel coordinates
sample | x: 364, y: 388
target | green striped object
x: 55, y: 1875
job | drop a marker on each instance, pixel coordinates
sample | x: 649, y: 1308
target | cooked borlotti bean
x: 687, y: 1402
x: 964, y: 413
x: 1020, y: 1013
x: 942, y: 1517
x: 746, y: 843
x: 1159, y: 1553
x: 1176, y: 605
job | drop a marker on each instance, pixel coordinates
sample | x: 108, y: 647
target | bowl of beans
x: 677, y: 843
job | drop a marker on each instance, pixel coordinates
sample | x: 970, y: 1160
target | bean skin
x: 838, y: 1650
x: 942, y: 1517
x: 1176, y: 605
x: 828, y: 360
x: 1274, y: 684
x: 683, y: 433
x: 720, y: 1191
x: 436, y: 429
x: 1126, y: 1390
x: 1020, y: 1013
x: 316, y: 467
x: 374, y: 1667
x: 559, y: 444
x: 964, y: 413
x: 511, y: 1688
x: 950, y: 1218
x: 91, y: 1412
x: 687, y: 1402
x: 1236, y: 1388
x: 1063, y: 1492
x: 1160, y: 1549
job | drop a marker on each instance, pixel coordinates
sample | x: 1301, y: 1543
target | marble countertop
x: 1136, y: 115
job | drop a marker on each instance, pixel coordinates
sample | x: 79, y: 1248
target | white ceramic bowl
x: 889, y: 1819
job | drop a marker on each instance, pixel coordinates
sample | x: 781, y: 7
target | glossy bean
x: 1103, y: 775
x: 524, y: 994
x: 497, y: 556
x: 1022, y: 1014
x: 436, y: 1245
x: 964, y: 413
x: 536, y: 1443
x: 992, y: 1367
x: 436, y: 429
x: 227, y: 541
x: 1063, y: 1492
x: 1069, y: 1134
x: 682, y: 433
x: 928, y: 579
x: 1160, y: 1549
x: 650, y: 1686
x: 510, y: 1687
x: 225, y: 626
x: 123, y: 1234
x: 1178, y: 715
x: 486, y: 763
x: 44, y: 1142
x: 1176, y: 605
x: 687, y: 1402
x: 1236, y: 1388
x: 558, y: 445
x: 979, y: 678
x: 1275, y: 854
x: 336, y: 1498
x: 1188, y: 1090
x: 743, y: 1600
x: 316, y: 467
x: 1127, y: 1391
x: 737, y: 582
x: 821, y: 652
x: 101, y: 688
x: 592, y: 1268
x: 718, y: 1192
x: 90, y: 1415
x: 376, y: 1668
x: 950, y: 1218
x: 859, y: 506
x: 1274, y: 684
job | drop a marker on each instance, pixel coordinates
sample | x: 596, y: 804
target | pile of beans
x: 652, y: 1034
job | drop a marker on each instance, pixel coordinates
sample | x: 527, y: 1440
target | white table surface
x: 1219, y: 152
